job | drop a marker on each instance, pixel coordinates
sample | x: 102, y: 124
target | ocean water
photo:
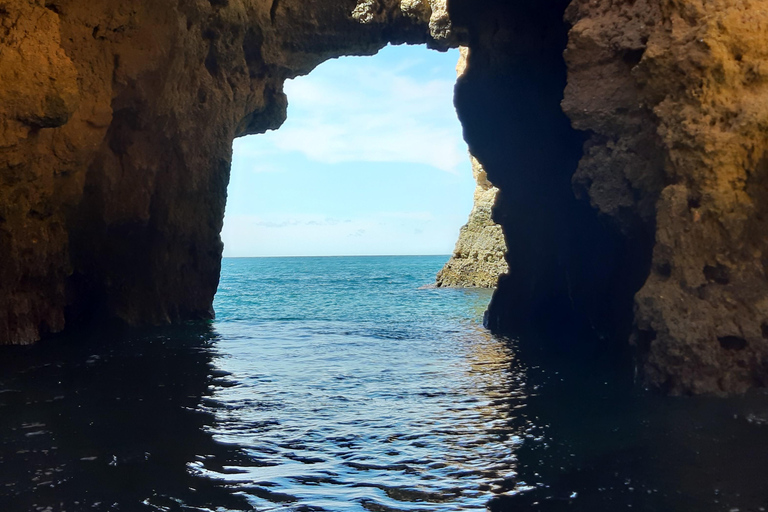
x: 348, y: 384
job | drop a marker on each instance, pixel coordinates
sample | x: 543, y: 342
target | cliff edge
x: 478, y: 258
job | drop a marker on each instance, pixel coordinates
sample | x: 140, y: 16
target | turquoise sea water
x: 348, y: 384
x: 370, y: 389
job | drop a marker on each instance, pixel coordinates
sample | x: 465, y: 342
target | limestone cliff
x: 667, y: 102
x: 478, y: 259
x: 116, y: 132
x: 117, y: 118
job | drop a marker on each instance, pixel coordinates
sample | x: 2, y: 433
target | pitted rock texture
x: 478, y: 259
x: 676, y: 97
x: 433, y: 12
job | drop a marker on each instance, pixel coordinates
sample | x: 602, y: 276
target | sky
x: 371, y: 161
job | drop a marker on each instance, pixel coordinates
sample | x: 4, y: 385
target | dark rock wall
x: 666, y: 140
x: 572, y: 274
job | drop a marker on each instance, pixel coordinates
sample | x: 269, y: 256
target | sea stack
x: 478, y: 258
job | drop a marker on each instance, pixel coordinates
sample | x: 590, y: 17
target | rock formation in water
x: 668, y: 143
x: 117, y: 117
x: 478, y: 258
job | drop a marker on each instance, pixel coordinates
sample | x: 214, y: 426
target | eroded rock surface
x: 478, y: 258
x: 116, y: 132
x: 676, y: 98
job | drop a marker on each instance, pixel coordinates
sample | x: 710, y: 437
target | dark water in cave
x: 340, y: 384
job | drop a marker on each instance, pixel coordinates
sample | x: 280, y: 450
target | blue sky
x: 371, y: 161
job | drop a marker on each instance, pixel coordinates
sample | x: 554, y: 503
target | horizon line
x: 338, y: 256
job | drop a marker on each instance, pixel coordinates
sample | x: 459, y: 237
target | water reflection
x: 111, y: 422
x: 326, y: 417
x: 340, y: 419
x: 606, y: 445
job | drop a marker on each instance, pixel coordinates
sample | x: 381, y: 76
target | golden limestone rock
x: 478, y: 259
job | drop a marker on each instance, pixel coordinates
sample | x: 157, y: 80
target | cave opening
x: 366, y: 394
x: 570, y: 270
x: 370, y: 161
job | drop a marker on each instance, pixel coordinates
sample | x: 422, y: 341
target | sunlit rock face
x: 478, y: 258
x: 674, y: 96
x: 632, y: 172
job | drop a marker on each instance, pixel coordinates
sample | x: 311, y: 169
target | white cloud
x: 354, y: 110
x: 359, y: 112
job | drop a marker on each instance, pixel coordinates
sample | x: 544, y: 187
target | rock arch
x: 117, y: 122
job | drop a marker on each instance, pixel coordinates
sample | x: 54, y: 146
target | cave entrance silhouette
x: 370, y: 161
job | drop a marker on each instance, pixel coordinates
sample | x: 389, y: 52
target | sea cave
x: 627, y: 140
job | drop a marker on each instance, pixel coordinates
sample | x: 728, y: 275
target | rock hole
x: 273, y: 10
x: 48, y: 5
x: 694, y: 202
x: 644, y: 338
x: 732, y: 342
x: 664, y: 270
x: 717, y: 274
x: 211, y: 62
x: 633, y: 57
x: 252, y: 43
x: 202, y: 95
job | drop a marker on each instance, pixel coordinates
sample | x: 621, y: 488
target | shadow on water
x: 380, y: 419
x: 111, y: 422
x: 606, y: 445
